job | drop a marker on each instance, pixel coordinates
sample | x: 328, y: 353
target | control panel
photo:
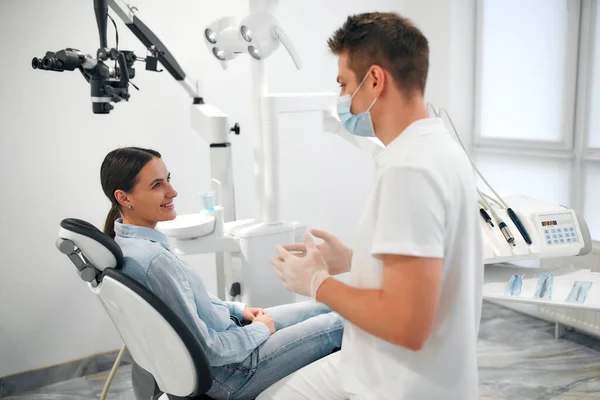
x: 559, y: 232
x: 558, y: 229
x: 555, y: 231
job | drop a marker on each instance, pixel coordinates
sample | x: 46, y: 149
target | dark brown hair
x: 119, y: 171
x: 388, y: 40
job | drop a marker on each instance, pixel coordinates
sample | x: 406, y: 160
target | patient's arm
x: 236, y: 309
x: 167, y: 280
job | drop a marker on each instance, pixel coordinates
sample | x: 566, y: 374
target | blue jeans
x: 304, y: 333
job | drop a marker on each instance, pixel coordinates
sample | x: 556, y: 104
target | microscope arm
x: 128, y: 15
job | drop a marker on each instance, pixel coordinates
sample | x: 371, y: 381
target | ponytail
x: 109, y: 225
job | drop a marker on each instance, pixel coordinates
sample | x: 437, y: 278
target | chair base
x: 145, y: 387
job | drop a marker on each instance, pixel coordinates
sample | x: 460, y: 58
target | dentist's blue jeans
x: 304, y: 333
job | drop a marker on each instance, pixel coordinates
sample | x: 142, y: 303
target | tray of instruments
x: 561, y: 287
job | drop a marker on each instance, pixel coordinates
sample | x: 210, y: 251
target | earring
x: 129, y: 207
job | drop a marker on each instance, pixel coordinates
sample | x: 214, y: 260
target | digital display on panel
x: 549, y: 223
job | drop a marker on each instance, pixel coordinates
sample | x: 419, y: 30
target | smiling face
x: 151, y: 198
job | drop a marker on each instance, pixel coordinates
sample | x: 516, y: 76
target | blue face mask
x: 361, y: 124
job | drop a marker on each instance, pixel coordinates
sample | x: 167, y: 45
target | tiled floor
x: 518, y: 360
x: 86, y: 388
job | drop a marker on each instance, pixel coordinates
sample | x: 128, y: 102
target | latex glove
x: 250, y: 313
x: 337, y: 255
x: 302, y: 275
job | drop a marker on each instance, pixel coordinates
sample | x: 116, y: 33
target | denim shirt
x: 149, y: 260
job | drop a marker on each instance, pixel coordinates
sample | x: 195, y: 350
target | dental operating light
x: 223, y: 39
x: 259, y: 34
x: 263, y: 35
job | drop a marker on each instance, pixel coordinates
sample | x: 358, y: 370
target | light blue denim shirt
x: 149, y: 260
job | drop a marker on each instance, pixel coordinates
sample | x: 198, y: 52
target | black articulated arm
x: 110, y: 84
x: 101, y: 11
x: 153, y: 43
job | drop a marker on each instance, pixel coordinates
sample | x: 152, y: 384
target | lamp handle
x: 289, y: 46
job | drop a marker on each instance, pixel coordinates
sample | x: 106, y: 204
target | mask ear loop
x: 358, y: 88
x: 371, y: 106
x: 360, y: 85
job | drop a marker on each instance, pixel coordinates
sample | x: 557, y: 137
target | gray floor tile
x: 518, y: 359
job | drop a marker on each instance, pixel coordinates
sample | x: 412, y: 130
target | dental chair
x: 168, y: 361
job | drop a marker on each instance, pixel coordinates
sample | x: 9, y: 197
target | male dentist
x: 414, y: 303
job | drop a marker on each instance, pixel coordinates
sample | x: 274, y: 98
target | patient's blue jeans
x: 304, y: 333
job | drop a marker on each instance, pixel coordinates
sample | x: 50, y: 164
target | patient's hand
x: 250, y: 313
x: 265, y: 319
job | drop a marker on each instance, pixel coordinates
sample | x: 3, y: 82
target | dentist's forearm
x: 362, y: 307
x: 372, y: 311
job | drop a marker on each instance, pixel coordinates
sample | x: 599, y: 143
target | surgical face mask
x: 361, y: 124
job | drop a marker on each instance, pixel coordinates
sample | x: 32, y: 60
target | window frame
x: 575, y: 143
x: 566, y: 144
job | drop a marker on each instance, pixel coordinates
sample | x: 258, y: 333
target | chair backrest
x: 157, y: 339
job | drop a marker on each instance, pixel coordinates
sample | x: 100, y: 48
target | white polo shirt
x: 423, y: 204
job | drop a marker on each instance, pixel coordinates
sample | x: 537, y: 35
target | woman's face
x: 152, y: 197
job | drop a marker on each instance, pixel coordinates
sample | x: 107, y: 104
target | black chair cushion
x: 89, y: 230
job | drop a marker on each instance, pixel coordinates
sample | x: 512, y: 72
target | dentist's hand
x: 336, y: 254
x: 302, y: 275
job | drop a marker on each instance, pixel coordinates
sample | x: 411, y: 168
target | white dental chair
x: 167, y: 358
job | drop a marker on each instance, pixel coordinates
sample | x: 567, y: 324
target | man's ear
x: 379, y: 79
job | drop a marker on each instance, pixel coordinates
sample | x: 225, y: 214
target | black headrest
x: 86, y: 229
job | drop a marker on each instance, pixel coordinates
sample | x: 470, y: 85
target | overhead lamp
x: 223, y: 39
x: 259, y: 34
x: 263, y: 34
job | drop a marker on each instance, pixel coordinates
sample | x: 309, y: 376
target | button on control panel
x: 559, y: 230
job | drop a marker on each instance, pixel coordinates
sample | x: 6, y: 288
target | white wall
x: 450, y: 27
x: 51, y: 145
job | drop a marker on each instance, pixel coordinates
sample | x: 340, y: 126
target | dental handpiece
x: 506, y: 232
x: 519, y: 225
x: 501, y: 224
x: 486, y: 217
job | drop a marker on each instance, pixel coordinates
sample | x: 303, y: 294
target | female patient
x: 248, y: 348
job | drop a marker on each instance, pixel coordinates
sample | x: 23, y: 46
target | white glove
x: 302, y: 275
x: 336, y: 254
